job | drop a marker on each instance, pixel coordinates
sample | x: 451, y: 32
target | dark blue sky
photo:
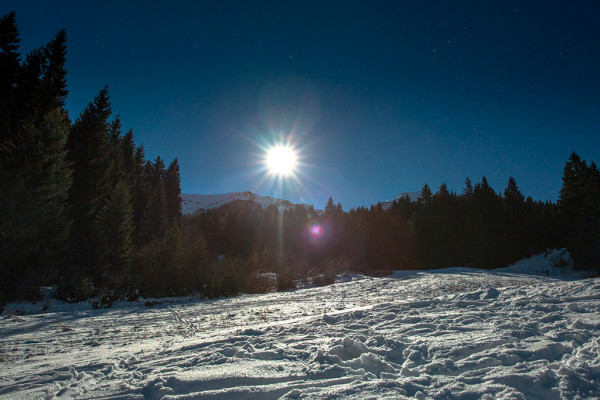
x: 381, y: 97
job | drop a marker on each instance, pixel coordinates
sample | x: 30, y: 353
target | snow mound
x: 552, y: 263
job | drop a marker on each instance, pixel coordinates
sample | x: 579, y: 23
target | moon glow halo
x: 281, y: 160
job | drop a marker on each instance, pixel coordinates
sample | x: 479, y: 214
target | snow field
x: 449, y: 334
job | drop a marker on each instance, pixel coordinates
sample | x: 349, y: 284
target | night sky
x: 377, y: 97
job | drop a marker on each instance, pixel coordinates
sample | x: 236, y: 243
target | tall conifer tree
x: 173, y: 192
x: 579, y: 204
x: 115, y: 227
x: 10, y: 66
x: 33, y: 220
x: 425, y: 196
x: 154, y: 222
x: 89, y: 153
x: 34, y: 173
x: 55, y: 73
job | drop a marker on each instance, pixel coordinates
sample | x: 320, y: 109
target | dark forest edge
x: 81, y: 208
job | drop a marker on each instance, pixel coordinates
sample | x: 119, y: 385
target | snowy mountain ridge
x: 193, y: 203
x: 413, y: 196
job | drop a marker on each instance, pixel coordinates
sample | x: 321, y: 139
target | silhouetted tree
x: 141, y: 193
x: 41, y: 83
x: 154, y: 222
x: 55, y: 73
x: 515, y: 232
x: 172, y: 181
x: 34, y: 172
x: 468, y: 190
x: 580, y: 211
x: 89, y: 153
x: 425, y: 195
x: 114, y: 225
x: 33, y: 223
x: 486, y: 211
x: 10, y: 67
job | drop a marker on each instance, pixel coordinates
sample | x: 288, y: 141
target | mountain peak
x: 194, y: 203
x: 413, y: 196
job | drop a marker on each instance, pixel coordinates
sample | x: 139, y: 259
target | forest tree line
x: 81, y: 208
x: 478, y: 228
x: 80, y: 205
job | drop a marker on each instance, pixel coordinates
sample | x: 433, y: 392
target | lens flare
x: 316, y: 231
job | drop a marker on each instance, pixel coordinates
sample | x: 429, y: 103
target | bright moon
x: 281, y: 160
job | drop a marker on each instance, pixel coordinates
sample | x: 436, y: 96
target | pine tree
x: 436, y: 229
x: 483, y: 189
x: 151, y: 195
x: 157, y: 171
x: 128, y: 156
x: 30, y: 89
x: 114, y: 225
x: 515, y: 231
x: 468, y: 190
x: 197, y: 257
x: 466, y: 226
x: 173, y: 192
x: 329, y: 207
x: 141, y: 193
x: 114, y: 139
x: 442, y: 192
x: 55, y: 73
x: 114, y: 134
x: 512, y: 192
x: 579, y: 202
x: 89, y: 153
x: 10, y: 66
x: 154, y: 222
x: 404, y: 207
x: 486, y: 212
x: 42, y: 82
x: 33, y: 221
x: 425, y: 196
x: 171, y: 260
x: 34, y: 173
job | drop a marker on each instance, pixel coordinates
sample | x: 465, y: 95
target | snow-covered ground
x: 446, y: 334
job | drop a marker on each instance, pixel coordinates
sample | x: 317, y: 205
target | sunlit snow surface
x: 448, y: 334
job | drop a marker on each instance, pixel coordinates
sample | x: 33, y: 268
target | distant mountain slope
x: 413, y: 196
x: 192, y: 203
